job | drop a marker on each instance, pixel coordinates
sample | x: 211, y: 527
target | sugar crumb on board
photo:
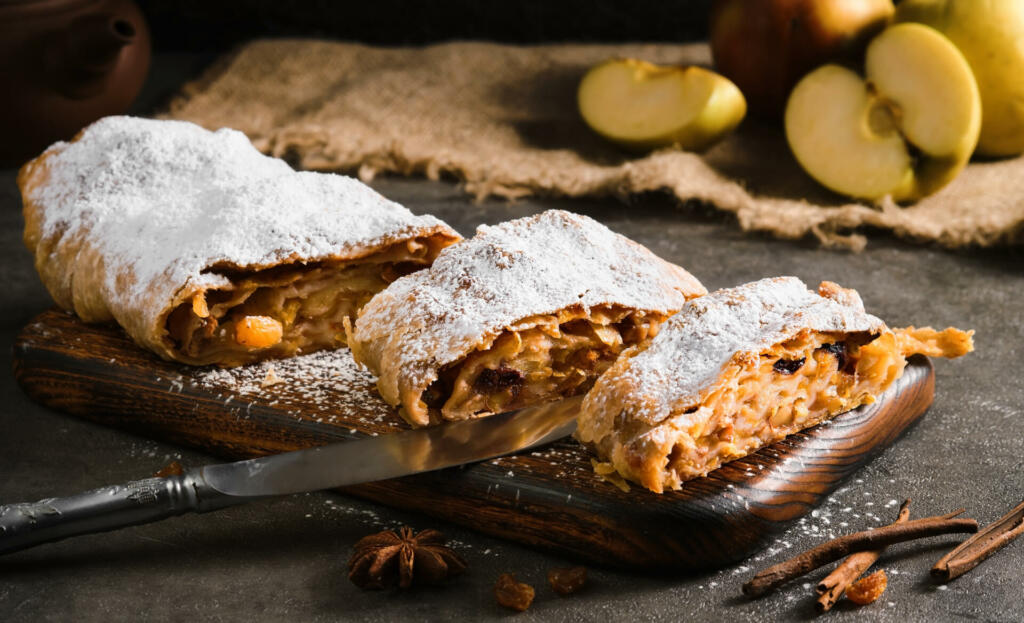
x: 325, y: 387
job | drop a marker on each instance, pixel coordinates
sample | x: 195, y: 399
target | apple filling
x: 286, y: 310
x: 553, y: 356
x: 760, y: 400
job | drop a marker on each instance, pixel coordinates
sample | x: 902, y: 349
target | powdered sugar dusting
x: 508, y: 273
x: 161, y: 202
x: 688, y: 354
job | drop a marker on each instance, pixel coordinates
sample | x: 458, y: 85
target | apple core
x: 883, y: 117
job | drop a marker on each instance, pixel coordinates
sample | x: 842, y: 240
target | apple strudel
x: 741, y: 368
x: 525, y: 311
x: 205, y: 250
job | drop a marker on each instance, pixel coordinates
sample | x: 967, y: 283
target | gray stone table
x: 285, y: 559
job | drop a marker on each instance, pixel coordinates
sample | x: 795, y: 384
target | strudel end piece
x: 207, y: 251
x: 741, y: 368
x: 526, y: 311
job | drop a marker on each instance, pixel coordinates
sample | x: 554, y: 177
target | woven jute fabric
x: 503, y: 119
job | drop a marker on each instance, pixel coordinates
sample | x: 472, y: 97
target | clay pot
x: 64, y: 64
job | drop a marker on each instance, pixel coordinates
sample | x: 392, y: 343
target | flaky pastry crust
x: 739, y: 369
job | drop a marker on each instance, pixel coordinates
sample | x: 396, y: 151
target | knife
x: 213, y: 487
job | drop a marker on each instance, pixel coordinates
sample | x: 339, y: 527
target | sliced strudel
x: 742, y: 368
x: 526, y: 311
x: 207, y: 251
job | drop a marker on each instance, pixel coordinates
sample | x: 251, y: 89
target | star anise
x: 388, y: 558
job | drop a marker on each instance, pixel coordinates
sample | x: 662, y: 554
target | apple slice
x: 905, y: 131
x: 641, y: 106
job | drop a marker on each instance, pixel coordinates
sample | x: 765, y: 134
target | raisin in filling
x: 788, y: 366
x: 491, y: 381
x: 840, y: 351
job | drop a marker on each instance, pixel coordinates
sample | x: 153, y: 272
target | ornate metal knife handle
x: 25, y: 525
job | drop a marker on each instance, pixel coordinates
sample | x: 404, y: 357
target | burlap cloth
x: 503, y: 119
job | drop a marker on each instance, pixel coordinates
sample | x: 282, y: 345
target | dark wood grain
x: 548, y: 498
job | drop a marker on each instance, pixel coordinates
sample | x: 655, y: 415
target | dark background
x: 209, y: 26
x: 284, y: 559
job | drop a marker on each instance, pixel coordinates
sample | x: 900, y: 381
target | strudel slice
x: 525, y: 311
x: 205, y: 250
x: 742, y: 368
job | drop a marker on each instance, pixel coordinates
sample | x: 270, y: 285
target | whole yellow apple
x: 990, y: 34
x: 766, y: 46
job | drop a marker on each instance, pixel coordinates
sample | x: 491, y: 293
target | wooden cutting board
x: 548, y: 497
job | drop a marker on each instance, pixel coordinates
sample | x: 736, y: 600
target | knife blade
x: 212, y: 487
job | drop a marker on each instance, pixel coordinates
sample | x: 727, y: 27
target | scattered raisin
x: 788, y: 366
x: 492, y: 381
x: 868, y: 588
x: 513, y: 594
x: 567, y: 580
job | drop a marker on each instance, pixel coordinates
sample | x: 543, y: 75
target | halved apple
x: 990, y: 35
x: 639, y: 105
x: 905, y: 131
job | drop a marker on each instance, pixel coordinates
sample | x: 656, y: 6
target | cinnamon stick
x: 841, y: 547
x: 977, y: 548
x: 831, y: 589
